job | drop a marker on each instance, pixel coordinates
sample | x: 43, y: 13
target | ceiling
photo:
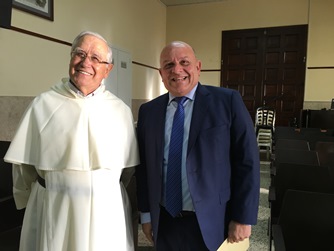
x: 185, y: 2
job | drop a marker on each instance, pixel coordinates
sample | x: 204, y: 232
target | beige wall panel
x: 321, y: 34
x: 137, y: 27
x: 320, y: 82
x: 30, y: 65
x: 320, y: 85
x: 210, y: 78
x: 201, y: 25
x: 149, y: 85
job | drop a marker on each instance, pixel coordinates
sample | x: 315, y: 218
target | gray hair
x: 91, y: 33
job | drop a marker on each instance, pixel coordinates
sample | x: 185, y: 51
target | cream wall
x: 201, y: 25
x: 320, y: 81
x: 140, y: 28
x: 29, y: 65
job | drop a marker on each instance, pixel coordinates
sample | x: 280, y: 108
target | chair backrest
x: 296, y: 156
x: 310, y: 130
x: 307, y: 220
x: 326, y: 159
x: 325, y: 151
x: 329, y: 132
x: 313, y: 138
x: 300, y: 177
x: 265, y: 116
x: 285, y: 132
x: 324, y: 146
x: 292, y: 144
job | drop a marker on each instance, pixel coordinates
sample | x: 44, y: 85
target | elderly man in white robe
x: 68, y: 155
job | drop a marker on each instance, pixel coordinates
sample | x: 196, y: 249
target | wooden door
x: 267, y: 66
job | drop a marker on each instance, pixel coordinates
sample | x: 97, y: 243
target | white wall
x: 119, y: 81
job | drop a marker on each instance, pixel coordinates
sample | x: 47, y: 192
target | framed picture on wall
x: 41, y: 8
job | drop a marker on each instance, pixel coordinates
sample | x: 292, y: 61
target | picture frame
x: 41, y: 8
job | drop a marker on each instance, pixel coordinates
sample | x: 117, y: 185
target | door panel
x: 267, y: 66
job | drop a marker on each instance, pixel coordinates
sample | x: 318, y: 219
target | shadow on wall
x: 12, y: 109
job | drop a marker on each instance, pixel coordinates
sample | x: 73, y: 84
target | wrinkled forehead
x: 177, y: 52
x: 92, y: 43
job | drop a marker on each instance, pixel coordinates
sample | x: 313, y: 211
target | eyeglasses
x: 80, y: 54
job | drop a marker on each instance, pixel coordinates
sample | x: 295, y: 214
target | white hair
x: 91, y: 33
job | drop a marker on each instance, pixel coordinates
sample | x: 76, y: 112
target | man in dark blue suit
x: 220, y: 160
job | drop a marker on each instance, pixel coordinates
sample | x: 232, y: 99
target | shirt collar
x: 78, y: 92
x: 190, y: 95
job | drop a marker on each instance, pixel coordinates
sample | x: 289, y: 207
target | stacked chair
x: 264, y: 128
x: 302, y: 165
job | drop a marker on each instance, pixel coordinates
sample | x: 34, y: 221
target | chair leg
x: 270, y: 233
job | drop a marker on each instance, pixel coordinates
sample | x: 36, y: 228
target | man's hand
x: 238, y: 232
x: 147, y: 230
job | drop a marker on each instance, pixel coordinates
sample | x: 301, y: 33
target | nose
x: 86, y: 61
x: 177, y: 68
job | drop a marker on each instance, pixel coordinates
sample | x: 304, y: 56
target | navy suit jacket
x: 222, y: 163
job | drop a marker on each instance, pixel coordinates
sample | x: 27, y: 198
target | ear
x: 199, y: 65
x: 108, y: 69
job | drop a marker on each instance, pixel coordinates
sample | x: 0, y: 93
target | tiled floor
x: 259, y: 240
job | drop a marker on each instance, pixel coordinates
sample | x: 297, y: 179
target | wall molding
x: 320, y: 67
x: 34, y: 34
x: 52, y: 39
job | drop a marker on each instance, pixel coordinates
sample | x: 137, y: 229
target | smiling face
x: 86, y: 74
x: 179, y: 68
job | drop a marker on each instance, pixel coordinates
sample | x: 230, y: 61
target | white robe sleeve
x: 23, y: 176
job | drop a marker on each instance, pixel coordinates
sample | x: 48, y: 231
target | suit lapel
x: 201, y: 104
x: 202, y: 100
x: 159, y: 122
